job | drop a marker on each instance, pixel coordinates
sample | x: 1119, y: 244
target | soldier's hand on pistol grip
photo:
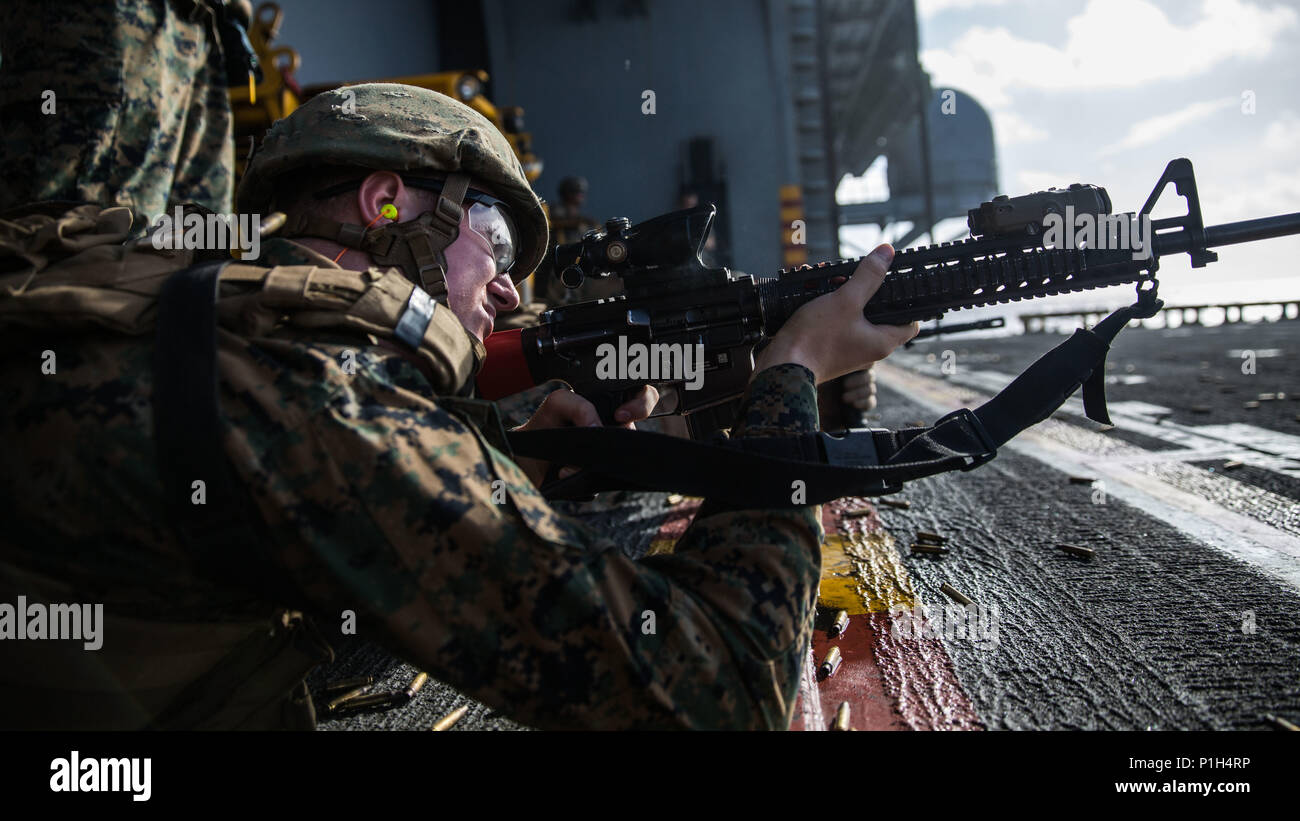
x: 564, y: 408
x: 860, y: 390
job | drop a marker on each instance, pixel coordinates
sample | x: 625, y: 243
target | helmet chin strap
x: 416, y: 247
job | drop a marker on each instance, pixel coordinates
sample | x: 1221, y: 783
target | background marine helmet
x: 572, y: 185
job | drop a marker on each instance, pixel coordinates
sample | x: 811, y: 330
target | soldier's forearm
x: 541, y: 618
x: 760, y: 568
x: 780, y: 400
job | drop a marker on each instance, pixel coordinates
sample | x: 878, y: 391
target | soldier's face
x: 475, y: 293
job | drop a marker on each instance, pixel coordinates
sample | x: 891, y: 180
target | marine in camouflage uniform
x: 141, y: 113
x: 376, y: 485
x: 570, y: 224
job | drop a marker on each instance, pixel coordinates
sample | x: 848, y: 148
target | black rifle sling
x: 260, y: 684
x: 761, y: 472
x: 1094, y: 389
x: 226, y: 532
x: 187, y: 428
x: 749, y: 473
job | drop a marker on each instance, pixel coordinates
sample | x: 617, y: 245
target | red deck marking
x: 920, y: 676
x: 859, y: 680
x: 890, y: 682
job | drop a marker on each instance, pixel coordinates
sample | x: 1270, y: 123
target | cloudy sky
x: 1108, y: 91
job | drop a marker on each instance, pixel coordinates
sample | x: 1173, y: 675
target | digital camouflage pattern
x: 141, y: 111
x: 380, y: 497
x: 395, y: 127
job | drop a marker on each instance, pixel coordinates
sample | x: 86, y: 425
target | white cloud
x: 1029, y: 182
x: 986, y: 63
x: 1110, y: 44
x: 1257, y: 176
x: 1010, y: 128
x: 1263, y: 196
x: 1283, y: 134
x: 1154, y: 129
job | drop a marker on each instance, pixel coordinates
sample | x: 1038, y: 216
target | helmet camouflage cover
x: 394, y: 127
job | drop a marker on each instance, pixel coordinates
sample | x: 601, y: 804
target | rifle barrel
x: 1232, y: 233
x: 1249, y: 230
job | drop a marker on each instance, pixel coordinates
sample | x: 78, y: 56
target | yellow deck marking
x: 862, y: 572
x: 661, y: 546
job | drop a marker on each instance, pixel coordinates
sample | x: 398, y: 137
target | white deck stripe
x: 1251, y: 445
x: 1274, y: 551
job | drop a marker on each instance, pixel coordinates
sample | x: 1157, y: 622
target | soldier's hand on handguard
x: 830, y: 337
x: 564, y: 408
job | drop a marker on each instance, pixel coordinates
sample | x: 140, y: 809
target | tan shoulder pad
x: 383, y: 303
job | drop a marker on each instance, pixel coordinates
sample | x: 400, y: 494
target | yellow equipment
x: 255, y: 108
x: 278, y: 94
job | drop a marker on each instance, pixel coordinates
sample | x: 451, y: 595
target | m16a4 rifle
x: 672, y: 299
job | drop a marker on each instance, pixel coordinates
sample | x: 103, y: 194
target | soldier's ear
x: 378, y: 189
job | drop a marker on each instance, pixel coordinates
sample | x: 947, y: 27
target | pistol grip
x: 606, y: 404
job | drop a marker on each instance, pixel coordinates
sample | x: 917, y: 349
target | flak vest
x: 74, y: 268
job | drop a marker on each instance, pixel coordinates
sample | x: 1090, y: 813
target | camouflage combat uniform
x: 141, y: 112
x: 379, y: 495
